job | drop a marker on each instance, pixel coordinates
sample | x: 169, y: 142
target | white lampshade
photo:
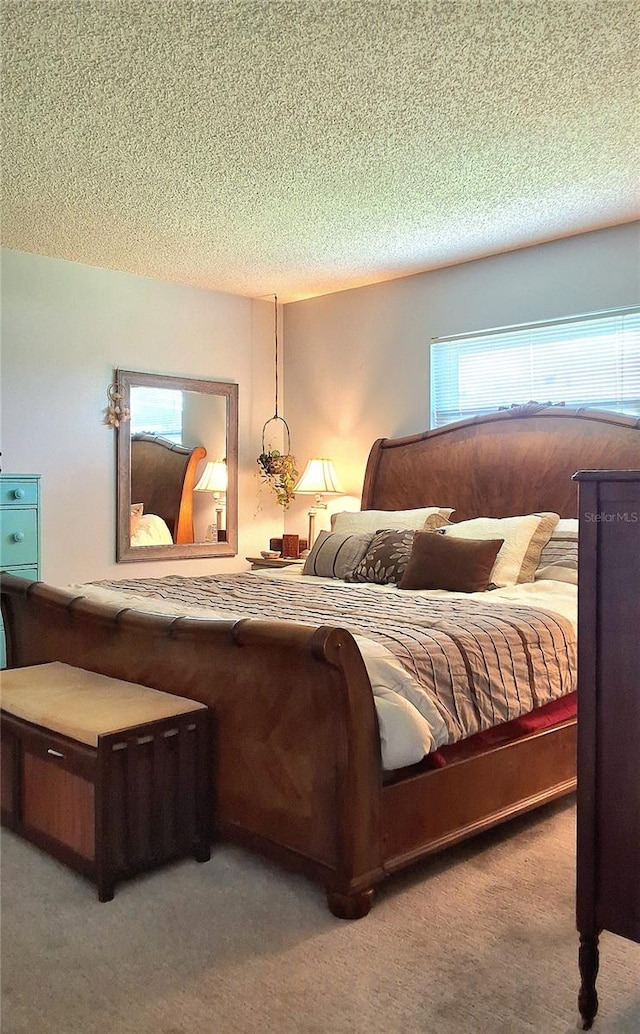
x: 319, y: 478
x: 214, y: 477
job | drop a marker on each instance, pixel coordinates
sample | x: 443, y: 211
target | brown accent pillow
x: 441, y: 562
x: 388, y: 553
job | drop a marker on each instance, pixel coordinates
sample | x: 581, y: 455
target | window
x: 157, y: 411
x: 586, y: 361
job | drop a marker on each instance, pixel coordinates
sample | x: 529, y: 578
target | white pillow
x: 151, y: 531
x: 566, y: 526
x: 524, y: 538
x: 377, y: 520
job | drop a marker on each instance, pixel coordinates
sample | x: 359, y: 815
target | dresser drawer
x: 18, y: 537
x: 28, y: 571
x: 19, y: 532
x: 18, y: 492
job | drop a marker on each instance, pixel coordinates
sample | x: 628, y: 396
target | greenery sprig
x: 279, y: 471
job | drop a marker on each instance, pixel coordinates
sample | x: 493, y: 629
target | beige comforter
x: 453, y: 664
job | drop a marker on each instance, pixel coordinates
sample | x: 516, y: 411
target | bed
x: 298, y: 769
x: 163, y: 476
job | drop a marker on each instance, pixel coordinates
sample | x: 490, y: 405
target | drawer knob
x: 18, y: 493
x: 56, y: 753
x: 18, y: 536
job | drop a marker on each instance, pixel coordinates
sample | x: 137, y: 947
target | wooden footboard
x: 297, y: 768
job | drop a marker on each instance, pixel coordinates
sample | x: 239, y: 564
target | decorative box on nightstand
x: 19, y: 531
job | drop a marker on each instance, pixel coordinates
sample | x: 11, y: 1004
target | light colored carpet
x: 480, y: 939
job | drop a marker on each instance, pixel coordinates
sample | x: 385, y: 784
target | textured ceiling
x: 300, y: 147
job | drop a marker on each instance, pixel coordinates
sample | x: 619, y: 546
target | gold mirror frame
x: 125, y: 552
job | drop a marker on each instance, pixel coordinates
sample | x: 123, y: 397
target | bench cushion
x: 84, y: 705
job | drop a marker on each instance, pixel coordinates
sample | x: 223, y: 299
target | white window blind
x: 586, y: 361
x: 157, y: 411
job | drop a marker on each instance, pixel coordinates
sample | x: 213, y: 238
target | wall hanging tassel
x: 116, y: 412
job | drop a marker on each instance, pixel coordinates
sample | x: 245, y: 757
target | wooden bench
x: 110, y: 777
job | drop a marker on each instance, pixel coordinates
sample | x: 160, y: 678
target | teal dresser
x: 19, y: 531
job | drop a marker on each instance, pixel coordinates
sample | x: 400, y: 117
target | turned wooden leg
x: 588, y: 958
x: 350, y: 906
x: 106, y: 889
x: 202, y: 851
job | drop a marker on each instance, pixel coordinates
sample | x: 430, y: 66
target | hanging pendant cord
x: 275, y: 299
x: 287, y: 445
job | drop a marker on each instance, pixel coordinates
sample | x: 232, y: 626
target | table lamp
x: 214, y: 479
x: 319, y: 478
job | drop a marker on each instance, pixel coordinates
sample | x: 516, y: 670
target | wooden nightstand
x: 110, y: 777
x: 258, y: 561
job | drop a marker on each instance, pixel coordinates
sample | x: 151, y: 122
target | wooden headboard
x: 508, y: 463
x: 163, y: 477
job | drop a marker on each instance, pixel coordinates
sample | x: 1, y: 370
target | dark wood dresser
x: 608, y: 860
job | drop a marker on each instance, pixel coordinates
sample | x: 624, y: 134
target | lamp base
x: 215, y: 534
x: 312, y: 527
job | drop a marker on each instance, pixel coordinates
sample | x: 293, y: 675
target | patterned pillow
x: 335, y: 555
x: 385, y: 560
x: 388, y: 553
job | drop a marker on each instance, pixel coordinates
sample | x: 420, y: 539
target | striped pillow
x: 559, y: 558
x: 336, y: 554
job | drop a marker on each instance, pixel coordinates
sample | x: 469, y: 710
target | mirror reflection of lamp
x: 319, y: 478
x: 214, y: 479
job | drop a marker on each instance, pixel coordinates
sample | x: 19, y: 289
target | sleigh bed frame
x: 297, y: 766
x: 163, y: 477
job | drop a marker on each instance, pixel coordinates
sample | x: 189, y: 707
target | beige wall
x: 355, y: 369
x: 356, y: 362
x: 65, y: 327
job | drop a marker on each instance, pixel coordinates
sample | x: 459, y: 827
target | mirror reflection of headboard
x: 161, y: 469
x: 163, y: 476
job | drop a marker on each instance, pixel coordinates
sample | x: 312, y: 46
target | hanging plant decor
x: 278, y: 469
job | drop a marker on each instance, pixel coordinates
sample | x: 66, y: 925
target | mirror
x: 177, y: 459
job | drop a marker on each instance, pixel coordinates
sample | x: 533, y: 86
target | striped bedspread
x: 470, y: 663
